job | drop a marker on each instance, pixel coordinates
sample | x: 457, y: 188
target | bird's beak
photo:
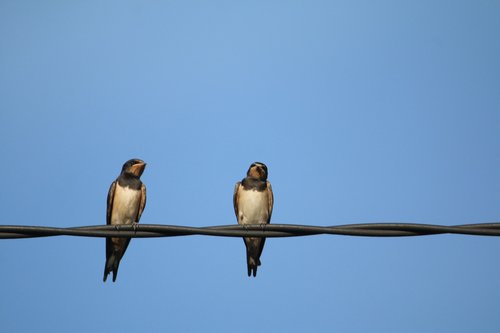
x: 138, y: 168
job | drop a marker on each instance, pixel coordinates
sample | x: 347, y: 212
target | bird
x: 253, y: 204
x: 125, y: 204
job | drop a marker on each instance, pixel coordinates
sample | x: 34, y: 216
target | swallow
x: 253, y: 204
x: 126, y: 202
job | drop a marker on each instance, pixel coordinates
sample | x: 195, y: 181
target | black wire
x: 269, y: 230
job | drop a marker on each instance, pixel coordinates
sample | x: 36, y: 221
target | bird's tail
x: 254, y: 246
x: 112, y: 263
x: 252, y: 263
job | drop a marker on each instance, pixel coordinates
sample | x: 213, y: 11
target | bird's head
x: 257, y: 170
x: 134, y: 166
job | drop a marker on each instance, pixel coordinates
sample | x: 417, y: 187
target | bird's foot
x: 245, y: 227
x: 135, y: 226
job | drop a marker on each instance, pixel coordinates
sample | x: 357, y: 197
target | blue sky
x: 364, y: 111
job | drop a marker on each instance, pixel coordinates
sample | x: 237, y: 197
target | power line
x: 269, y: 230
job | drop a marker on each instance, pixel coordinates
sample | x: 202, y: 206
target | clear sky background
x: 364, y: 111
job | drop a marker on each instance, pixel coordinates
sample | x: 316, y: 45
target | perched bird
x: 253, y: 204
x: 126, y: 201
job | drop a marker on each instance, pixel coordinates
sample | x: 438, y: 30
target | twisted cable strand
x: 269, y: 230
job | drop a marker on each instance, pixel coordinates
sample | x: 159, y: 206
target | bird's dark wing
x: 142, y: 203
x: 235, y: 198
x: 111, y: 197
x: 109, y: 210
x: 270, y: 200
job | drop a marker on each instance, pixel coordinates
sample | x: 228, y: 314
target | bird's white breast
x: 253, y: 207
x: 125, y: 205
